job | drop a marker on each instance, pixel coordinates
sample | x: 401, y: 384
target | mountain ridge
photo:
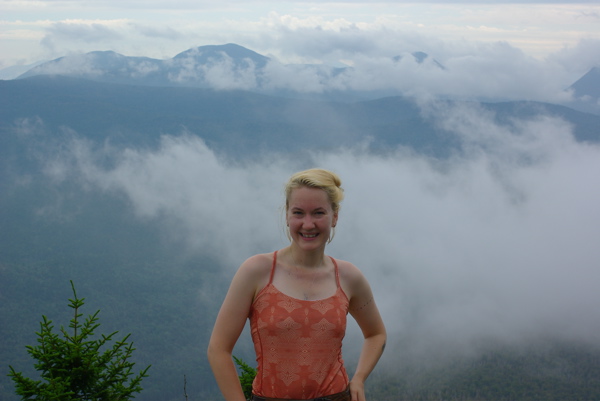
x: 231, y: 66
x: 236, y: 121
x: 228, y: 66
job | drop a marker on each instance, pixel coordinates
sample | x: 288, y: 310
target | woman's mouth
x: 308, y: 235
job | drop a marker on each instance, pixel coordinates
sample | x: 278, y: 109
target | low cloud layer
x: 497, y: 243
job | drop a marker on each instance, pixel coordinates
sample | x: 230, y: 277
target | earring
x: 331, y: 235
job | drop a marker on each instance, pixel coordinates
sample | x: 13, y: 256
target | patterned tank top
x: 298, y: 343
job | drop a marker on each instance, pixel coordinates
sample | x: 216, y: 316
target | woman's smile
x: 308, y: 236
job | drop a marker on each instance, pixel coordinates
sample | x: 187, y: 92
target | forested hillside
x: 552, y: 372
x: 245, y: 124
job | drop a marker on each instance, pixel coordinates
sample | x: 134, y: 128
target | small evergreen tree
x: 75, y: 367
x: 246, y: 376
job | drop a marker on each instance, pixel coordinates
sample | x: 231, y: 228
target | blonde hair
x: 319, y: 178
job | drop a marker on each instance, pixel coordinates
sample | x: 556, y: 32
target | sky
x: 565, y: 34
x: 496, y: 245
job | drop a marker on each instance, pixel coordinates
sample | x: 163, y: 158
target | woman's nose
x: 308, y: 222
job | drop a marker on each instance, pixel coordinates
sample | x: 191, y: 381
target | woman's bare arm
x: 230, y: 323
x: 364, y: 310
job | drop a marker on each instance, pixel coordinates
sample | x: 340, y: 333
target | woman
x: 297, y: 300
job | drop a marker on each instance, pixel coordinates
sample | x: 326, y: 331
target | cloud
x: 161, y: 32
x: 159, y: 29
x: 578, y: 59
x: 485, y: 72
x: 474, y: 69
x: 86, y: 31
x: 221, y: 72
x: 495, y: 71
x: 70, y: 34
x: 493, y: 50
x: 203, y: 208
x: 497, y: 243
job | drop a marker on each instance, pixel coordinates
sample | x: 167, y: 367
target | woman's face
x: 310, y: 217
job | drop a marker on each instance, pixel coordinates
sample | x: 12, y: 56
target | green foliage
x: 247, y: 375
x: 75, y: 367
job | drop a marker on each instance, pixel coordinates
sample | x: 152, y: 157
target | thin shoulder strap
x: 337, y: 272
x: 273, y: 267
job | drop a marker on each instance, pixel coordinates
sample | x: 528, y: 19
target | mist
x: 496, y: 243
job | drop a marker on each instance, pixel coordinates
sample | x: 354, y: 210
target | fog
x: 499, y: 242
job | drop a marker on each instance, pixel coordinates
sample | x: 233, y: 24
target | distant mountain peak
x: 420, y: 58
x: 588, y: 85
x: 207, y: 53
x: 227, y: 66
x: 230, y: 49
x: 187, y: 68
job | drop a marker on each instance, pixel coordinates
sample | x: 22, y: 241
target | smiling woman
x: 297, y: 300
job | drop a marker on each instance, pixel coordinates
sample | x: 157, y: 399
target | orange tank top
x: 298, y: 343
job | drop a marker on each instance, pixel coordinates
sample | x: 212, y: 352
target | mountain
x: 240, y: 55
x: 189, y: 68
x: 228, y: 66
x: 420, y: 58
x: 15, y: 71
x: 588, y: 85
x: 586, y: 92
x: 234, y: 67
x: 240, y: 122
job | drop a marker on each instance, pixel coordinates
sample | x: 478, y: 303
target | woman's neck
x: 305, y: 259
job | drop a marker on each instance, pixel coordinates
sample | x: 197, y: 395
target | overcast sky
x: 304, y: 31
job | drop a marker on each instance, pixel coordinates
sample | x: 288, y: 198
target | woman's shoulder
x: 255, y: 271
x: 355, y: 284
x: 350, y: 275
x: 346, y: 267
x: 260, y: 258
x: 257, y: 265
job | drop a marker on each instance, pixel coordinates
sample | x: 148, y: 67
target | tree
x: 246, y: 376
x: 76, y: 367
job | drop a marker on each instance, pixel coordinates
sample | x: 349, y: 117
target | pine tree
x: 75, y: 366
x: 247, y: 374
